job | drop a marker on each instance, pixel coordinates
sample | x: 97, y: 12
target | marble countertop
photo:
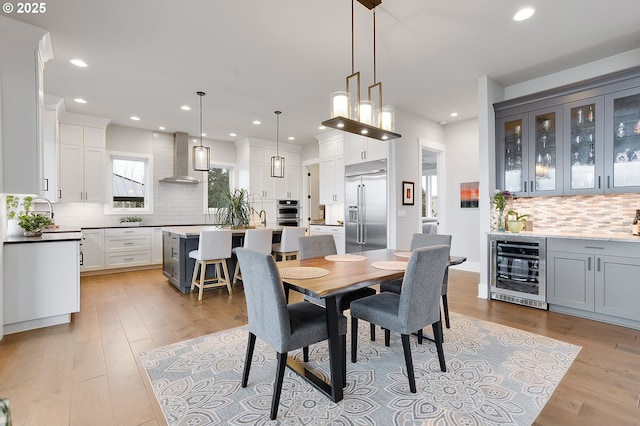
x: 194, y: 230
x: 571, y: 235
x: 45, y: 237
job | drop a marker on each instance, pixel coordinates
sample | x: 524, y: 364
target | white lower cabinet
x: 594, y: 276
x: 127, y: 247
x: 156, y: 246
x: 336, y: 231
x: 92, y: 250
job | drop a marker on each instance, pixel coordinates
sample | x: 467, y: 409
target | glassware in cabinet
x: 512, y: 153
x: 545, y: 150
x: 623, y: 141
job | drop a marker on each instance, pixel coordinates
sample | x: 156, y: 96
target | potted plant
x: 130, y: 221
x: 12, y: 206
x: 31, y: 223
x: 516, y: 221
x: 237, y: 211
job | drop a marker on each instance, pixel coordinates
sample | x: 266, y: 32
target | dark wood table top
x: 347, y: 276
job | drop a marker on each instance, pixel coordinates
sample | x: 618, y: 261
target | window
x: 130, y: 189
x: 219, y: 181
x: 430, y: 196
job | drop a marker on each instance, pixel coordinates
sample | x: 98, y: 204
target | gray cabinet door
x: 617, y: 288
x: 570, y: 279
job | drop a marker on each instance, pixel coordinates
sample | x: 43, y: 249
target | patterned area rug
x: 495, y: 375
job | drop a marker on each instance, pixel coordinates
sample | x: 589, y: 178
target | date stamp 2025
x: 24, y: 8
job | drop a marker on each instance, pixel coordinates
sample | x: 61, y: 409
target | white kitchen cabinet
x: 156, y: 246
x: 360, y: 149
x: 126, y: 247
x: 45, y: 295
x: 50, y: 133
x: 331, y: 171
x: 92, y: 251
x: 82, y: 164
x: 594, y: 276
x: 336, y: 231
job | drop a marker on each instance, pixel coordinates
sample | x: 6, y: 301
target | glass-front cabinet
x: 583, y: 144
x: 622, y: 154
x: 529, y: 155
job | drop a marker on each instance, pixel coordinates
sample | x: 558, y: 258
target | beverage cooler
x: 517, y: 269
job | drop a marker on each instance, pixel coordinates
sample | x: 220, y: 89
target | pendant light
x: 350, y: 114
x: 277, y: 162
x: 201, y: 153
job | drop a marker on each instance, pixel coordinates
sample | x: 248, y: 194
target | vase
x: 13, y: 228
x: 501, y: 220
x: 516, y: 226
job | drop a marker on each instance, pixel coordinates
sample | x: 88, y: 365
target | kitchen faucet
x: 263, y: 219
x: 48, y: 202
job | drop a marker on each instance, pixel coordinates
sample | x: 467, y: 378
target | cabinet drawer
x: 120, y: 232
x: 612, y: 248
x: 134, y: 258
x: 331, y: 230
x: 115, y: 244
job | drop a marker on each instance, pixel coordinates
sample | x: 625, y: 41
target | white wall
x: 462, y: 165
x: 404, y: 165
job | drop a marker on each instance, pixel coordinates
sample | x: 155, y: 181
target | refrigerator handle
x: 358, y: 229
x: 363, y: 217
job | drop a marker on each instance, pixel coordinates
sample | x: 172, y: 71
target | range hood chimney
x: 180, y: 160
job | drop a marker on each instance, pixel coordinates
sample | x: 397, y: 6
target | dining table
x: 326, y: 278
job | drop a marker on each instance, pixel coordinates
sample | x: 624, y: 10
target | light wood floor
x: 88, y: 373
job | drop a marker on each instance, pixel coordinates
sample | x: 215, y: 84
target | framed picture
x: 407, y: 193
x: 469, y: 195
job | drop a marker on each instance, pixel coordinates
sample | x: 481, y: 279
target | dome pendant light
x: 201, y: 153
x: 277, y: 162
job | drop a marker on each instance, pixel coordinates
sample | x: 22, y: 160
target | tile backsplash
x: 580, y: 213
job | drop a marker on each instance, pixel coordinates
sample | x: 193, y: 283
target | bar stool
x: 257, y: 240
x: 288, y: 246
x: 214, y: 248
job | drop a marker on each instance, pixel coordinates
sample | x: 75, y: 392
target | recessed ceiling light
x: 162, y: 128
x: 454, y: 114
x: 80, y: 101
x: 256, y: 122
x: 291, y: 138
x: 321, y: 127
x: 233, y: 135
x: 443, y: 123
x: 523, y: 14
x: 79, y: 63
x: 203, y: 134
x: 134, y: 118
x: 185, y: 108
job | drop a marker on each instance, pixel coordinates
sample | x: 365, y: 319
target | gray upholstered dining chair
x: 426, y: 240
x: 417, y: 306
x: 324, y: 245
x: 284, y: 327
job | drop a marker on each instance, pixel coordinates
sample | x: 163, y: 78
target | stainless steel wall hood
x: 180, y: 160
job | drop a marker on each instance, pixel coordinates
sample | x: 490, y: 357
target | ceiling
x: 252, y: 57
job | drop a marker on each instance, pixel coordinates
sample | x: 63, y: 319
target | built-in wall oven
x: 517, y: 269
x: 288, y: 213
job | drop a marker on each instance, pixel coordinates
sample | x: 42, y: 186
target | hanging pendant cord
x: 277, y: 132
x: 353, y: 60
x: 201, y: 94
x: 375, y: 79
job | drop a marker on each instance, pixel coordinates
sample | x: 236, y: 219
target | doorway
x: 432, y: 181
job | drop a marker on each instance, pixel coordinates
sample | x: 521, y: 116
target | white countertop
x: 45, y: 237
x: 194, y: 230
x: 571, y: 235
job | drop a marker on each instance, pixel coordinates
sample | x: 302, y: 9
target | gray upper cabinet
x: 584, y: 146
x: 622, y: 154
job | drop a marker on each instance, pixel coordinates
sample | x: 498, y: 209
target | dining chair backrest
x: 316, y: 246
x: 214, y: 244
x: 426, y: 240
x: 289, y: 238
x: 258, y: 240
x: 421, y: 287
x: 266, y: 302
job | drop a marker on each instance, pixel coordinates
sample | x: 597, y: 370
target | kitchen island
x: 41, y: 280
x: 178, y: 241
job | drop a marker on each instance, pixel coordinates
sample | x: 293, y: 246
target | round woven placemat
x: 404, y: 254
x: 345, y: 257
x: 303, y: 272
x: 390, y: 265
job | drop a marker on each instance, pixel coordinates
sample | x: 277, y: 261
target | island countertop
x: 194, y: 230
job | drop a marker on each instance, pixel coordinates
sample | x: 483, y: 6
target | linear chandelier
x: 350, y: 114
x: 277, y: 162
x: 201, y: 153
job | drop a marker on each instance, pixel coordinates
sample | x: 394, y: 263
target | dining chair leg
x: 277, y: 385
x: 373, y: 332
x: 247, y: 361
x: 445, y: 307
x: 387, y: 337
x: 438, y: 337
x: 305, y: 354
x: 354, y: 339
x: 420, y: 334
x: 343, y: 343
x: 406, y: 347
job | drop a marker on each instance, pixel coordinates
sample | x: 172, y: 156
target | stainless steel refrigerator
x: 366, y: 206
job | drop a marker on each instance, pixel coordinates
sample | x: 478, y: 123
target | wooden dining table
x: 344, y: 276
